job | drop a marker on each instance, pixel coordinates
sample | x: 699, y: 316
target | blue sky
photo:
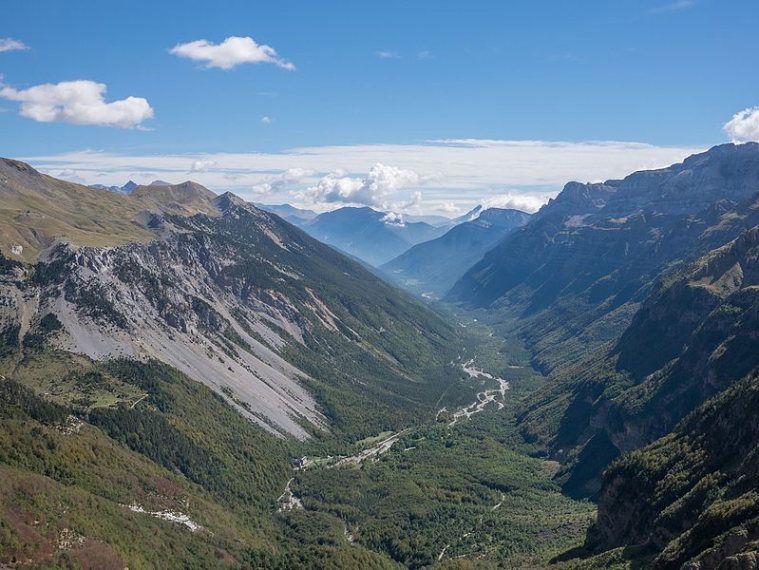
x: 376, y: 82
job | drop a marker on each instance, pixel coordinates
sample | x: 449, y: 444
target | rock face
x: 601, y: 236
x: 222, y: 298
x: 691, y: 497
x: 432, y: 267
x: 689, y: 341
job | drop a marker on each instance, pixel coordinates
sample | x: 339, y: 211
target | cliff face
x: 690, y: 497
x: 690, y: 341
x: 232, y: 301
x: 598, y: 285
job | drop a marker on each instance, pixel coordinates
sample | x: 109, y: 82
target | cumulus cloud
x: 9, y: 44
x: 744, y: 126
x: 387, y: 55
x: 266, y: 120
x: 281, y: 181
x: 375, y: 189
x: 230, y: 53
x: 202, y: 165
x: 524, y: 201
x: 393, y: 219
x: 79, y: 102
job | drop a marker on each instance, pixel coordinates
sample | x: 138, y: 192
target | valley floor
x: 459, y: 490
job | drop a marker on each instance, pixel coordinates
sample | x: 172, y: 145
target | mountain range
x: 432, y: 267
x: 372, y: 236
x: 188, y: 380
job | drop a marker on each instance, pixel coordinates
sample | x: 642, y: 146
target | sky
x: 417, y: 105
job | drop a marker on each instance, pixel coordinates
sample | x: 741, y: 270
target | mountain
x: 431, y: 219
x: 290, y: 213
x: 38, y: 209
x: 153, y: 391
x: 125, y: 189
x: 689, y: 500
x: 375, y: 237
x: 572, y: 283
x: 187, y: 198
x: 470, y: 216
x: 222, y: 295
x: 431, y: 268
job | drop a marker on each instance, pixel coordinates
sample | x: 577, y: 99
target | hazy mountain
x: 375, y: 237
x: 431, y: 268
x: 290, y: 213
x: 125, y: 189
x: 431, y: 219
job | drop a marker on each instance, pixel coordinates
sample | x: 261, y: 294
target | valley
x: 250, y: 397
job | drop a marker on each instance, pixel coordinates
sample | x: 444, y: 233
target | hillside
x: 689, y: 500
x: 36, y: 210
x: 692, y: 339
x: 165, y: 383
x: 249, y: 305
x: 432, y: 267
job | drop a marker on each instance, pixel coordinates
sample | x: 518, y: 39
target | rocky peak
x: 228, y: 201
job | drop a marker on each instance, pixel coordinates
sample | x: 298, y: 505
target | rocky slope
x: 245, y: 303
x: 693, y: 338
x: 433, y: 267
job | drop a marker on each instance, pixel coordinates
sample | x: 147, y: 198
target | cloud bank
x: 230, y: 53
x: 452, y: 175
x: 78, y: 102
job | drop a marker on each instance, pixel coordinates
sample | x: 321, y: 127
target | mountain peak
x: 227, y: 201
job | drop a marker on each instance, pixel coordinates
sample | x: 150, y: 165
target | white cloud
x: 202, y: 165
x: 393, y: 219
x: 266, y: 120
x: 78, y: 102
x: 424, y: 54
x: 388, y: 55
x: 744, y: 126
x: 69, y: 175
x: 467, y: 172
x: 375, y: 189
x: 281, y: 181
x: 525, y: 201
x: 9, y: 44
x: 448, y: 208
x: 230, y: 53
